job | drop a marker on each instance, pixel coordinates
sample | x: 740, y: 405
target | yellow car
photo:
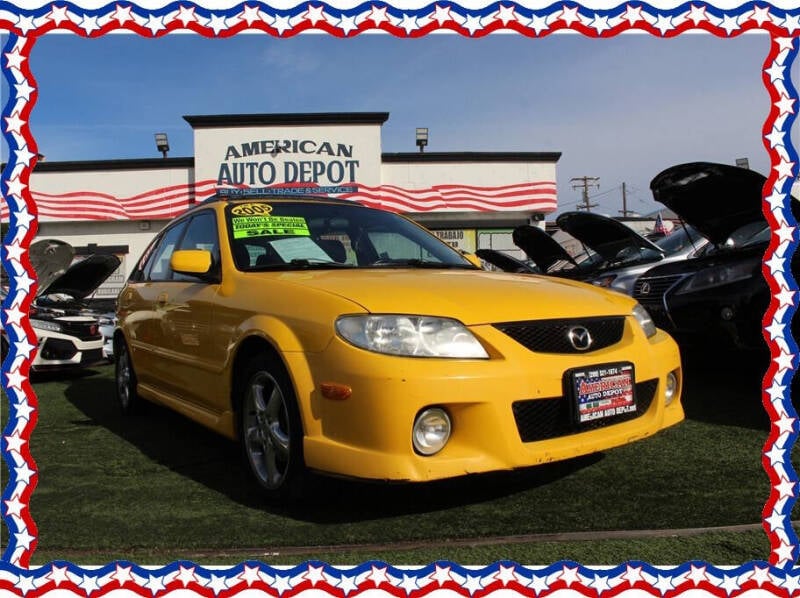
x: 325, y: 335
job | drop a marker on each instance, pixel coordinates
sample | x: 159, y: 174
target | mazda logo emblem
x: 579, y: 338
x: 645, y: 289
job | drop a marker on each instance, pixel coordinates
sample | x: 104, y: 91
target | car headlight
x: 45, y: 325
x: 414, y: 336
x: 645, y: 321
x: 709, y: 278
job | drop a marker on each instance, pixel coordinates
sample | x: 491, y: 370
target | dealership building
x: 470, y: 199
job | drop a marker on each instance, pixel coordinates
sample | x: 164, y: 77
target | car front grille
x: 651, y: 289
x: 85, y: 331
x: 552, y: 336
x: 541, y: 419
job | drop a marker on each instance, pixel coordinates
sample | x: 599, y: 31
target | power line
x: 585, y: 182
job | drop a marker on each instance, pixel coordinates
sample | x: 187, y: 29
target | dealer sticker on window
x: 269, y: 226
x: 603, y: 391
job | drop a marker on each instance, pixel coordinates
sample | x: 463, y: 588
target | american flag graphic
x: 167, y: 202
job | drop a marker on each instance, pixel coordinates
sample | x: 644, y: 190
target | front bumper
x: 368, y: 435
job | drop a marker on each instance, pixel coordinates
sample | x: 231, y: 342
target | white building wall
x: 422, y: 175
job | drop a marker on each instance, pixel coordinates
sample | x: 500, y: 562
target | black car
x: 720, y: 297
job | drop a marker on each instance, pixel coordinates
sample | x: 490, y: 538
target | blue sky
x: 620, y: 109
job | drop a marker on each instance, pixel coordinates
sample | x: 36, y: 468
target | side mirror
x: 193, y: 262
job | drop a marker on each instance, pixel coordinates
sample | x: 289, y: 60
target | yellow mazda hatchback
x: 325, y: 335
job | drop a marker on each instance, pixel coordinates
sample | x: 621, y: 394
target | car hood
x: 470, y: 296
x: 716, y: 199
x: 503, y: 261
x: 602, y: 234
x: 540, y: 247
x: 51, y: 259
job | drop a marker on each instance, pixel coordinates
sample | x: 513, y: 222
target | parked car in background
x: 326, y: 335
x: 614, y: 257
x: 67, y: 328
x: 720, y: 297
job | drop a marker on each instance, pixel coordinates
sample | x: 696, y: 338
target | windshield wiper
x: 305, y: 264
x: 418, y: 263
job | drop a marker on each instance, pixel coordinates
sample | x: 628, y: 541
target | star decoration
x: 698, y: 575
x: 442, y: 575
x: 14, y: 123
x: 776, y: 391
x: 539, y: 24
x: 282, y: 584
x: 664, y: 24
x: 14, y: 442
x: 729, y: 584
x: 316, y: 14
x: 442, y: 15
x: 218, y: 584
x: 784, y: 552
x: 539, y: 584
x: 186, y: 15
x: 785, y: 297
x: 155, y: 24
x: 217, y: 23
x: 775, y: 137
x: 784, y: 423
x: 600, y: 23
x: 24, y: 410
x: 409, y: 583
x: 505, y: 14
x: 633, y: 14
x: 775, y: 455
x: 776, y: 72
x: 784, y: 361
x: 24, y: 473
x: 472, y: 24
x: 506, y: 575
x: 14, y: 508
x: 347, y: 24
x: 760, y: 15
x: 730, y: 24
x: 473, y: 584
x: 250, y: 14
x: 25, y: 584
x: 282, y: 24
x: 570, y: 16
x: 791, y: 23
x: 14, y: 59
x: 632, y: 575
x: 89, y: 24
x: 697, y: 14
x: 570, y: 575
x: 409, y: 23
x: 378, y: 15
x: 58, y: 14
x: 14, y: 316
x: 186, y: 576
x: 24, y: 156
x: 378, y: 576
x: 122, y: 575
x: 155, y: 584
x: 89, y: 584
x: 25, y: 24
x: 314, y: 574
x: 785, y: 105
x: 24, y: 539
x: 784, y: 169
x: 775, y: 521
x: 600, y: 584
x: 58, y: 575
x: 24, y: 90
x: 785, y: 490
x: 122, y: 14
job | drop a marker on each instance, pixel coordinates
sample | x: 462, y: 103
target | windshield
x: 281, y: 235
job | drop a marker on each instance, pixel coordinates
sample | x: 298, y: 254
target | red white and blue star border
x: 777, y: 574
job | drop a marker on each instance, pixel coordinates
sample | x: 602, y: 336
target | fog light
x: 671, y: 389
x: 431, y: 431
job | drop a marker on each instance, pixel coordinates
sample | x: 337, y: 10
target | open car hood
x: 716, y: 199
x: 603, y: 235
x: 540, y: 247
x: 51, y: 260
x: 503, y: 261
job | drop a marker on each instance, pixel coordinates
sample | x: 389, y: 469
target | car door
x: 194, y: 355
x: 137, y: 306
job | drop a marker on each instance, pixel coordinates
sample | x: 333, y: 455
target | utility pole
x: 624, y: 202
x: 585, y: 182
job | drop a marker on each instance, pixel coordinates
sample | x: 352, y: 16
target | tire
x: 270, y: 430
x: 125, y: 378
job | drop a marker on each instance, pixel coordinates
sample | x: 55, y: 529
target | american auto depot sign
x: 287, y: 161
